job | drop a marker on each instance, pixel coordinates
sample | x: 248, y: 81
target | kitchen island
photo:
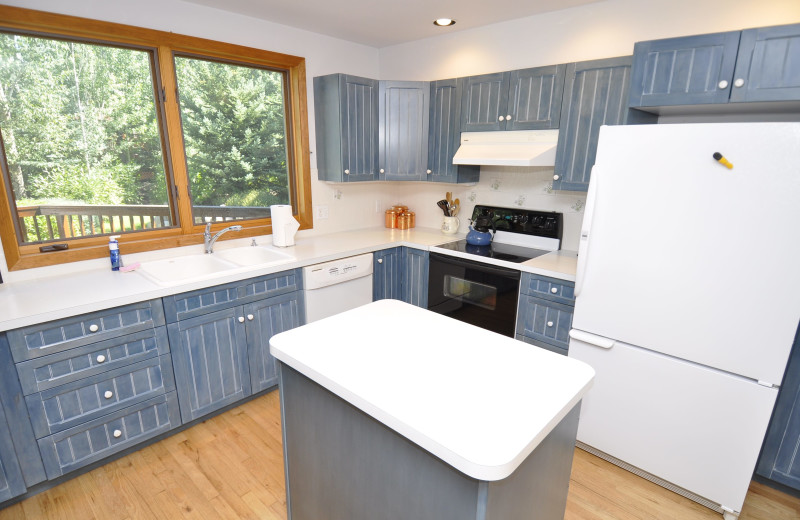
x: 394, y: 412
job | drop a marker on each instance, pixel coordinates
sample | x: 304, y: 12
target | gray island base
x: 342, y: 464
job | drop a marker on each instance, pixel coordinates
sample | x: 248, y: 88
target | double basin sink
x: 192, y: 268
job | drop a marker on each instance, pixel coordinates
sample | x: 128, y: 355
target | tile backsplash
x: 354, y: 206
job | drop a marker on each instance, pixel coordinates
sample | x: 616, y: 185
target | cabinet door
x: 11, y: 482
x: 779, y: 460
x: 684, y: 71
x: 266, y: 318
x: 415, y: 277
x: 444, y: 134
x: 535, y: 98
x: 386, y: 274
x: 484, y: 100
x: 544, y: 321
x: 209, y: 355
x: 768, y: 65
x: 403, y: 134
x: 595, y: 94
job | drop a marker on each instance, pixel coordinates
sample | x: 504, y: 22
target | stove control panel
x: 547, y: 224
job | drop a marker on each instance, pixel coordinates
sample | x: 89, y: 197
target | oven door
x: 481, y: 294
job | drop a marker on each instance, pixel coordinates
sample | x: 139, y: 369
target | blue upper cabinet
x: 528, y: 99
x: 595, y: 94
x: 346, y: 116
x: 768, y: 65
x: 741, y: 66
x: 683, y: 71
x: 403, y: 130
x: 444, y: 135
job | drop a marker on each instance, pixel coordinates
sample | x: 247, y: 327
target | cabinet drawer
x: 544, y: 320
x: 46, y: 372
x: 203, y: 301
x: 74, y: 448
x: 72, y: 404
x: 542, y: 344
x: 553, y: 289
x: 59, y: 335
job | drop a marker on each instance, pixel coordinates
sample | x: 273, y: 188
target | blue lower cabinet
x: 415, y: 277
x: 95, y: 440
x: 265, y: 319
x: 209, y: 356
x: 544, y: 314
x: 542, y: 344
x: 11, y: 481
x: 386, y: 274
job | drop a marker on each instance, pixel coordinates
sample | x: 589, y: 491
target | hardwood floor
x: 231, y: 466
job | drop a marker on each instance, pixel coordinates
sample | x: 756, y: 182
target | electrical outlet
x: 321, y: 212
x: 378, y: 206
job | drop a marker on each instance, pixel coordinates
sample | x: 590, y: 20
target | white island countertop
x: 479, y: 401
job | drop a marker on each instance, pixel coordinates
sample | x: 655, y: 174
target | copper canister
x: 400, y: 209
x: 412, y: 219
x: 391, y: 218
x: 403, y: 221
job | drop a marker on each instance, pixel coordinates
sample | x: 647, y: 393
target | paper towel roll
x: 284, y: 225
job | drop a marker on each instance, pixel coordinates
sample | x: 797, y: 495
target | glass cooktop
x: 498, y: 251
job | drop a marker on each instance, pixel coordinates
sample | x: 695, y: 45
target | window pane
x: 81, y: 136
x: 234, y: 131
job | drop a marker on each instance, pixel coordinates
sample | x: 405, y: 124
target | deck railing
x: 57, y: 222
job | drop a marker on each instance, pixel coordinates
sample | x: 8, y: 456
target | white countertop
x: 24, y: 303
x: 479, y: 401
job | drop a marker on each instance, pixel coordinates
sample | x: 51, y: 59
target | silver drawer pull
x: 101, y: 358
x: 549, y: 323
x: 117, y: 434
x: 93, y: 328
x: 554, y: 290
x: 109, y: 394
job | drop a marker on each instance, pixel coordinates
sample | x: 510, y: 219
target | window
x: 109, y: 129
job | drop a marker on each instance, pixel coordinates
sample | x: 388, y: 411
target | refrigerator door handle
x: 586, y: 228
x: 591, y: 339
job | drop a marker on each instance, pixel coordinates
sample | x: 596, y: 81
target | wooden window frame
x: 165, y: 45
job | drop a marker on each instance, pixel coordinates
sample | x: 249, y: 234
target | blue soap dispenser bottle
x: 113, y: 251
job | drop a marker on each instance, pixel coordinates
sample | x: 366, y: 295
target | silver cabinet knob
x: 93, y: 328
x: 501, y: 118
x: 347, y: 172
x: 428, y: 172
x: 250, y: 317
x: 380, y: 260
x: 738, y: 82
x: 109, y: 394
x: 382, y: 170
x: 549, y: 323
x: 554, y: 290
x: 556, y: 177
x: 508, y: 117
x: 722, y: 84
x: 101, y: 358
x: 117, y: 434
x: 241, y: 319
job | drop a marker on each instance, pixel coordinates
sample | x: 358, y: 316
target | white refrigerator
x: 688, y: 299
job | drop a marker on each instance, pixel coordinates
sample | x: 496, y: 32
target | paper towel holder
x: 284, y: 225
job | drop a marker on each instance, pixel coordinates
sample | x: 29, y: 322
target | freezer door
x: 687, y: 257
x: 697, y: 428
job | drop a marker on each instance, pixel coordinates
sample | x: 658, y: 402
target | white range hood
x: 511, y: 148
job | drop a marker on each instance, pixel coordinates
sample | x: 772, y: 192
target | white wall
x: 604, y: 29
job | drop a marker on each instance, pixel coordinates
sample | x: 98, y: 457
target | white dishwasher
x: 337, y: 286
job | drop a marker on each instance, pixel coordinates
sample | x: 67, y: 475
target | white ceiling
x: 380, y: 23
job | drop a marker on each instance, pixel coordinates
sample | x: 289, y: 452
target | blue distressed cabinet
x: 779, y: 460
x: 527, y: 99
x: 401, y: 273
x: 444, y: 135
x: 544, y: 314
x: 95, y: 384
x: 595, y: 94
x: 12, y: 482
x: 403, y: 130
x: 346, y: 116
x: 219, y: 338
x: 760, y: 64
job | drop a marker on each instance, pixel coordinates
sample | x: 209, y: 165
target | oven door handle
x: 485, y: 267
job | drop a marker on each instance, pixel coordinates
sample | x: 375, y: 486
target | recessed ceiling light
x: 444, y: 22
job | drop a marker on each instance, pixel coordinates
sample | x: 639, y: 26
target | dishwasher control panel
x: 337, y: 271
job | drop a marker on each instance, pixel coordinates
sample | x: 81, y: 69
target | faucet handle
x: 208, y: 227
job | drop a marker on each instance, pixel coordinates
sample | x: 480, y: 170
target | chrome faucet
x: 208, y: 240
